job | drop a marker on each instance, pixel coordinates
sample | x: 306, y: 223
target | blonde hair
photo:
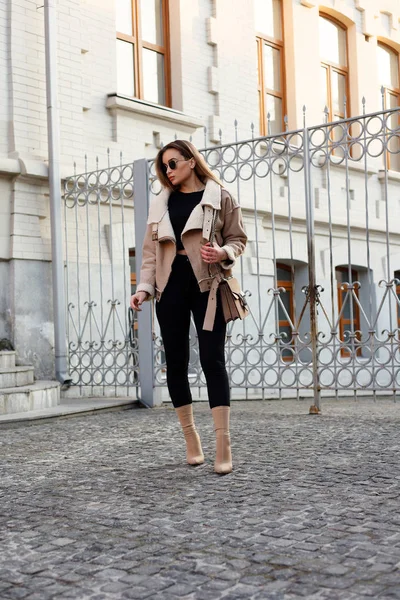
x: 188, y: 151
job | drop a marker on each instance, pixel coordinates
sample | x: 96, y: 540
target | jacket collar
x: 159, y: 204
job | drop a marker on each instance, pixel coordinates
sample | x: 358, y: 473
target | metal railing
x: 320, y: 272
x: 98, y: 221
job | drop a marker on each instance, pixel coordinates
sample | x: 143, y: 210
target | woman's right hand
x: 137, y: 299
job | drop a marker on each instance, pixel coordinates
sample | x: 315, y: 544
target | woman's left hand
x: 212, y: 254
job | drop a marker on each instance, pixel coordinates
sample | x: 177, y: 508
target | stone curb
x: 68, y: 409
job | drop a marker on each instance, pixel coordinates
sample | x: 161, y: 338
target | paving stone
x: 56, y: 589
x: 112, y: 574
x: 336, y: 570
x: 147, y: 570
x: 42, y: 595
x: 32, y: 569
x: 113, y: 521
x: 87, y: 569
x: 40, y: 582
x: 156, y: 583
x: 370, y: 591
x: 16, y: 592
x: 217, y: 585
x: 114, y: 588
x: 304, y: 591
x: 381, y: 567
x: 136, y: 592
x: 62, y: 542
x: 134, y: 579
x: 285, y: 574
x: 180, y: 589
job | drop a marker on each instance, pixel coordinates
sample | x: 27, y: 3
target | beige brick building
x: 133, y: 74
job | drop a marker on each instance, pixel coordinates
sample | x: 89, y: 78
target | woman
x: 179, y: 268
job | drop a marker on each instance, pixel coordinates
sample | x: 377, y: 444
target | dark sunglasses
x: 172, y: 163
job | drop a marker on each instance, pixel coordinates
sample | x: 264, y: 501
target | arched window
x: 143, y: 50
x: 389, y: 79
x: 397, y: 276
x: 388, y: 69
x: 334, y: 67
x: 349, y: 311
x: 285, y: 280
x: 269, y: 37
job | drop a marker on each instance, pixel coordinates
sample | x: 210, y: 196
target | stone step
x: 15, y: 377
x: 7, y: 359
x: 38, y: 395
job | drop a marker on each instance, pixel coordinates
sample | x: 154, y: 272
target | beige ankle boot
x: 194, y: 453
x: 223, y: 457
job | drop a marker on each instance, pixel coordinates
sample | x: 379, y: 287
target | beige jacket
x: 159, y: 246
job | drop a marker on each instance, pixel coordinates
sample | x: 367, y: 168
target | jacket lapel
x: 201, y: 215
x: 158, y: 212
x: 158, y: 206
x: 165, y: 229
x: 195, y: 220
x: 212, y: 195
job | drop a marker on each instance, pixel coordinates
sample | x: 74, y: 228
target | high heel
x: 194, y: 452
x: 223, y: 456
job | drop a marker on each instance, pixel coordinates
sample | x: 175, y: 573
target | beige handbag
x: 233, y: 300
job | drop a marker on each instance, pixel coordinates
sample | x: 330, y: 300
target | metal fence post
x: 60, y: 333
x: 148, y: 395
x: 312, y: 289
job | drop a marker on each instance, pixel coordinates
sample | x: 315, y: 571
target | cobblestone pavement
x: 105, y: 507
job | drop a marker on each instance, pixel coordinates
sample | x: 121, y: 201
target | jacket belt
x: 209, y: 318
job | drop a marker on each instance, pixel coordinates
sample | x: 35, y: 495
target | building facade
x: 133, y: 74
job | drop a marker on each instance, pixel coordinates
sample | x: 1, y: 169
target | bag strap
x: 153, y: 328
x: 212, y: 233
x: 212, y: 238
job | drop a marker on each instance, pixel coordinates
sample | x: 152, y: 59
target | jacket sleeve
x: 233, y: 233
x: 148, y: 269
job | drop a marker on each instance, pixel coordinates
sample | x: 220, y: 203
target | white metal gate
x: 321, y: 271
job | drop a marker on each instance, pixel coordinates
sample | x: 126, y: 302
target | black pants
x: 181, y: 297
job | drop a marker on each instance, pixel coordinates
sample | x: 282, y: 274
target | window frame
x: 276, y: 44
x: 139, y: 44
x: 390, y: 91
x: 288, y: 285
x: 344, y: 352
x: 394, y: 92
x: 398, y: 307
x: 340, y: 69
x: 397, y: 292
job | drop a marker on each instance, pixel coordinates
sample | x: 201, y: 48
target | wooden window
x: 143, y: 50
x: 389, y: 79
x: 271, y: 76
x: 350, y: 319
x: 284, y: 280
x: 397, y: 276
x: 388, y: 66
x: 132, y: 268
x: 334, y: 67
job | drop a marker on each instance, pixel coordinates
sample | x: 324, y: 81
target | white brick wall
x: 4, y: 78
x: 26, y: 82
x: 5, y: 201
x: 218, y: 85
x: 28, y: 238
x: 87, y: 74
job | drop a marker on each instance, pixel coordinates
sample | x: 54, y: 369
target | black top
x: 180, y: 205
